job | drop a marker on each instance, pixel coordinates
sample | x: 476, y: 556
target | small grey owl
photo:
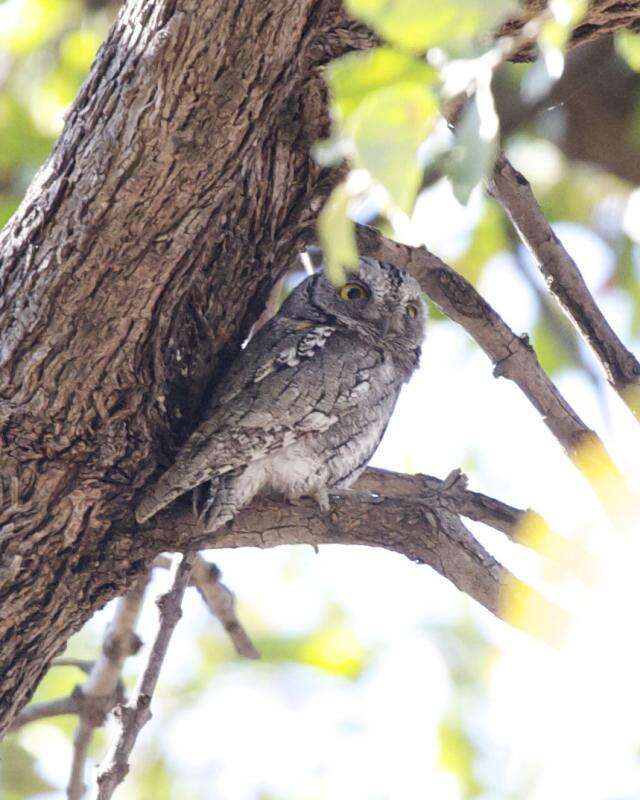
x: 306, y: 403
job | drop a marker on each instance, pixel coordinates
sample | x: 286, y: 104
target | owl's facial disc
x: 385, y: 300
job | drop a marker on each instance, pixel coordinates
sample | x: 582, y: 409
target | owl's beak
x: 383, y: 327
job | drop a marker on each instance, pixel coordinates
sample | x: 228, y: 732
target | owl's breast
x: 333, y: 458
x: 347, y: 447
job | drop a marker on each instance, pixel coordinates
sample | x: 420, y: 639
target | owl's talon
x: 322, y: 499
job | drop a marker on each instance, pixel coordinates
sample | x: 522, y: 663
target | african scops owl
x: 305, y: 404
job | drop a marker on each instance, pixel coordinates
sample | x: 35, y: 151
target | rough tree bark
x: 181, y: 187
x: 179, y: 191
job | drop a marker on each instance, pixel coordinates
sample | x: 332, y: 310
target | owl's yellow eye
x: 412, y: 311
x: 353, y: 291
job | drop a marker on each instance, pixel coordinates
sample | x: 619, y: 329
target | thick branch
x: 513, y: 192
x: 524, y: 527
x: 422, y: 528
x: 512, y: 356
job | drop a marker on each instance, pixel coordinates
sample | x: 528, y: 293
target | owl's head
x: 378, y: 302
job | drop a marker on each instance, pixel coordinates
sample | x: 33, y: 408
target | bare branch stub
x: 136, y: 713
x: 512, y: 190
x: 219, y: 599
x: 221, y: 602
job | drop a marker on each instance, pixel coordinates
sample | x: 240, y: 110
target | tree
x: 180, y: 192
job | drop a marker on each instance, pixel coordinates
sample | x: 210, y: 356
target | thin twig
x: 136, y: 713
x: 219, y: 599
x: 84, y: 664
x: 513, y: 358
x: 221, y: 602
x: 513, y: 192
x: 93, y: 700
x: 103, y: 688
x: 81, y: 741
x: 52, y: 708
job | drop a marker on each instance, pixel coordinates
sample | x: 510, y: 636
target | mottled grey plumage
x: 307, y: 401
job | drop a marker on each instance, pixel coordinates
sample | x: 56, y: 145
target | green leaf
x: 476, y: 147
x: 337, y: 235
x: 628, y: 47
x: 418, y: 24
x: 387, y: 128
x: 354, y: 76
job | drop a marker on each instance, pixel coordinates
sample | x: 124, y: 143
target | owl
x: 307, y: 401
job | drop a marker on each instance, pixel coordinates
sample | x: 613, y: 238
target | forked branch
x: 102, y: 690
x: 422, y: 525
x: 513, y: 356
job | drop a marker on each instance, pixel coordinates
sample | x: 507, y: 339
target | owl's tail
x: 172, y: 484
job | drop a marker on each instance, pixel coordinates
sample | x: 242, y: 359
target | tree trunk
x: 180, y: 189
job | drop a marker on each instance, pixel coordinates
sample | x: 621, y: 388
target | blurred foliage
x: 337, y: 235
x: 46, y: 48
x: 628, y: 46
x: 468, y: 657
x: 416, y: 25
x: 19, y: 778
x: 487, y: 240
x: 385, y: 103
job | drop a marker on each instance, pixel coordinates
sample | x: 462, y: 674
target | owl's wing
x: 293, y: 378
